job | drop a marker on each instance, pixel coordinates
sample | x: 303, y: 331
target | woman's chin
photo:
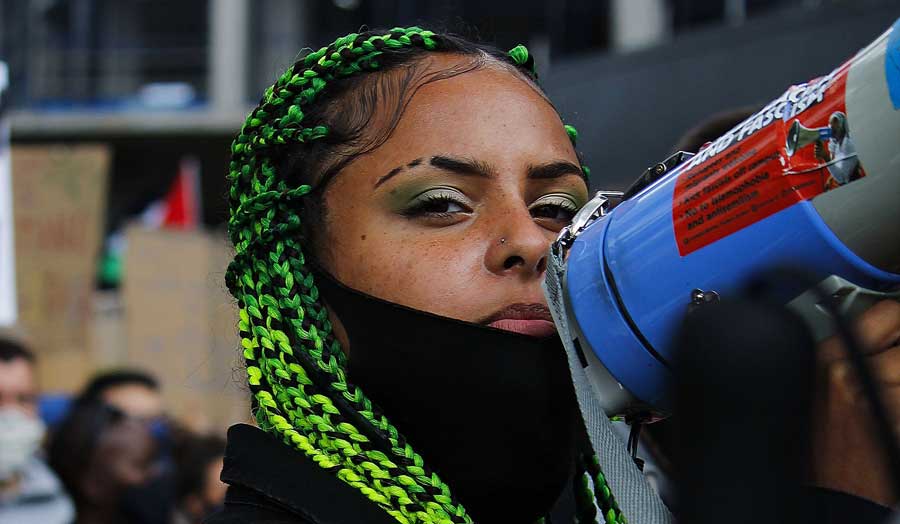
x: 538, y: 328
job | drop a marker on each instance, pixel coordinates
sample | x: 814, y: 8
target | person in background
x: 199, y: 491
x: 712, y: 128
x: 136, y: 393
x: 106, y: 460
x: 29, y: 491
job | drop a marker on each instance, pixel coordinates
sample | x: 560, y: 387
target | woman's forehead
x: 489, y: 111
x: 480, y: 87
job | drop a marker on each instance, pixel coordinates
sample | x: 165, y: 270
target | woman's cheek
x: 444, y: 276
x: 436, y: 269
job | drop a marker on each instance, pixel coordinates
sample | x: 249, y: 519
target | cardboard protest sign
x: 59, y: 195
x: 180, y: 323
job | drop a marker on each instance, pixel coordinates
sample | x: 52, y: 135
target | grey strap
x: 638, y: 500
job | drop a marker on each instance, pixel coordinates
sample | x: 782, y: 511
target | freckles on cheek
x: 429, y: 269
x: 439, y: 277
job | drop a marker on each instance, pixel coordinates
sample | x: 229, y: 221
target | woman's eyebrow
x: 554, y: 170
x: 460, y: 166
x: 396, y: 171
x: 463, y: 166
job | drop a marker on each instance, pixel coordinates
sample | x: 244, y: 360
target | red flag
x: 181, y: 204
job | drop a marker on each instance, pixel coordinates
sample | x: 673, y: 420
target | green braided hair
x: 311, y: 122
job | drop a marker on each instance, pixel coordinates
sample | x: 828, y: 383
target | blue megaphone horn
x: 695, y: 227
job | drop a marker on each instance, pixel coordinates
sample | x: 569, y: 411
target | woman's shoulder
x: 271, y: 483
x: 244, y: 506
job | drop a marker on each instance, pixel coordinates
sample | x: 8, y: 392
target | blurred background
x: 118, y: 115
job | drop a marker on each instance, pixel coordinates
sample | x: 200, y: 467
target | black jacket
x: 270, y: 483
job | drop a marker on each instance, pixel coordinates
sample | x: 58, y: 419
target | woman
x: 392, y: 200
x: 107, y: 463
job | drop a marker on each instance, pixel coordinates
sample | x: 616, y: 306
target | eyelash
x: 420, y: 207
x: 556, y: 201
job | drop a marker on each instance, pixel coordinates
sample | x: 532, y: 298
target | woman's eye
x: 440, y: 206
x: 439, y: 203
x: 558, y: 208
x: 553, y: 213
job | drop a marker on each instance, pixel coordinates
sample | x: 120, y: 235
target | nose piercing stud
x: 502, y: 240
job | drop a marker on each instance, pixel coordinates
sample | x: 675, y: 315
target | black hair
x: 103, y: 382
x: 11, y: 349
x: 350, y: 119
x: 712, y: 128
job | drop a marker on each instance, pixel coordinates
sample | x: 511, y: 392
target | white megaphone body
x: 799, y: 136
x: 694, y: 227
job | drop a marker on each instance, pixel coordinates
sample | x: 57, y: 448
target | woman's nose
x: 519, y: 246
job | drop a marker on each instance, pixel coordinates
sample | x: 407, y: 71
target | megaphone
x: 800, y: 135
x: 695, y: 227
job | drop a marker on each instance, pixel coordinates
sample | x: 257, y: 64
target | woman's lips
x: 534, y: 328
x: 528, y: 319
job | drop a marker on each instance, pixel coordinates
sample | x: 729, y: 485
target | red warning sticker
x: 795, y: 148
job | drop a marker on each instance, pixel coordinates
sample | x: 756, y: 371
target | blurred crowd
x: 109, y: 454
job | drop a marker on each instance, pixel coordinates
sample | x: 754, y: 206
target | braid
x: 602, y: 494
x: 295, y: 366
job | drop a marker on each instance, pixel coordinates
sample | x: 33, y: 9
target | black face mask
x: 492, y: 412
